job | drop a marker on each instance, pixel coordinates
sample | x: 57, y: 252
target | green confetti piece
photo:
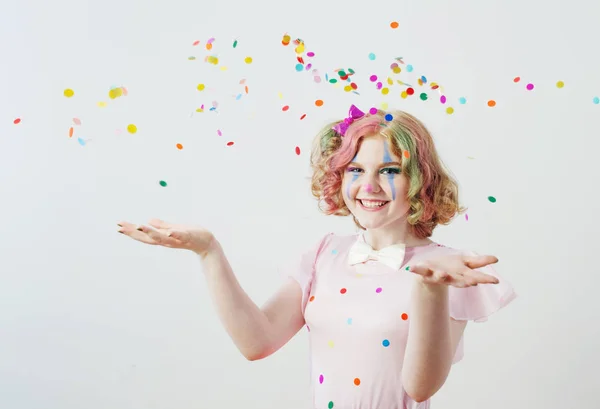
x: 492, y: 199
x: 235, y: 44
x: 163, y: 183
x: 330, y: 405
x: 423, y: 96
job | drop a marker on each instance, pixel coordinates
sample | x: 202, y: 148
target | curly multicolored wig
x: 433, y: 193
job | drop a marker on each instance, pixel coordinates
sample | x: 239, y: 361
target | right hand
x: 165, y: 234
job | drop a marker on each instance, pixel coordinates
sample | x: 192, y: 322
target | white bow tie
x: 392, y: 256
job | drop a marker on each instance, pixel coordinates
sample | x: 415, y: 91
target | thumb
x: 478, y: 261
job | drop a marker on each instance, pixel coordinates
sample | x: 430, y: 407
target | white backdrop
x: 90, y: 318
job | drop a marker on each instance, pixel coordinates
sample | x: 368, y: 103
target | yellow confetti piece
x: 300, y: 48
x: 279, y: 95
x: 191, y: 58
x: 69, y: 93
x: 223, y: 68
x: 560, y: 84
x: 131, y: 128
x: 397, y: 70
x: 102, y: 104
x: 248, y: 60
x: 384, y: 106
x: 385, y: 91
x: 390, y: 81
x: 347, y: 88
x: 404, y: 94
x: 200, y: 87
x: 449, y: 110
x: 115, y: 93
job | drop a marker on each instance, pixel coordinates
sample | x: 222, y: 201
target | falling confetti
x: 449, y: 110
x: 71, y: 131
x: 17, y: 121
x: 81, y: 141
x: 394, y: 24
x: 423, y: 96
x: 162, y: 183
x: 492, y: 199
x: 297, y: 150
x: 371, y: 56
x: 560, y: 84
x: 462, y: 100
x: 235, y: 43
x: 131, y: 128
x: 517, y: 79
x: 196, y: 43
x: 530, y: 87
x: 248, y: 60
x: 491, y: 103
x: 179, y: 146
x: 596, y: 100
x: 302, y: 117
x: 319, y: 102
x: 229, y: 143
x: 200, y: 87
x: 69, y: 93
x: 285, y: 108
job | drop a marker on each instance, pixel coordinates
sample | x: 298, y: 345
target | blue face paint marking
x: 388, y: 158
x: 354, y: 177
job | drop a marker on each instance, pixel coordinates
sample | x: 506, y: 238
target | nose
x: 371, y: 185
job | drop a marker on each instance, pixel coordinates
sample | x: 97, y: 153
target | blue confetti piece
x: 596, y: 100
x: 371, y: 56
x: 238, y: 97
x: 409, y: 68
x: 81, y: 141
x: 299, y: 67
x: 349, y: 321
x: 388, y: 117
x: 462, y: 100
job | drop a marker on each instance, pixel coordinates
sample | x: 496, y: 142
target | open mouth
x: 372, y: 205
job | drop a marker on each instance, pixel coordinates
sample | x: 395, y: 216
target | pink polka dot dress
x: 358, y: 317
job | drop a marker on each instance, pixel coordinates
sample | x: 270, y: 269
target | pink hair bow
x: 353, y: 114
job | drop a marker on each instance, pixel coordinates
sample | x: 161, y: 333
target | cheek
x: 350, y: 186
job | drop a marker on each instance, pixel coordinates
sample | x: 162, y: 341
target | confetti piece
x: 229, y: 143
x: 373, y: 111
x: 179, y: 146
x: 17, y: 121
x: 248, y: 60
x: 310, y: 54
x: 69, y: 93
x: 423, y: 96
x: 319, y: 102
x: 443, y: 99
x: 517, y: 79
x: 394, y: 24
x: 302, y: 117
x: 297, y: 150
x: 385, y: 91
x: 404, y: 94
x: 406, y: 154
x: 356, y: 381
x: 462, y: 100
x: 286, y: 39
x: 71, y: 130
x: 384, y: 106
x: 235, y: 44
x: 410, y: 91
x: 560, y: 84
x: 131, y: 128
x: 491, y: 103
x: 196, y: 43
x: 371, y: 56
x: 409, y: 68
x: 81, y: 141
x: 299, y: 67
x: 200, y: 87
x: 102, y: 104
x: 191, y: 58
x: 219, y: 132
x: 162, y: 183
x: 385, y: 343
x: 388, y: 117
x: 404, y: 316
x: 77, y: 121
x: 466, y: 217
x: 596, y: 100
x: 529, y: 87
x: 373, y: 78
x: 330, y: 404
x: 449, y: 110
x: 492, y: 199
x: 285, y: 108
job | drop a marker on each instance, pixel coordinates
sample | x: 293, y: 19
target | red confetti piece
x: 17, y: 121
x: 517, y: 79
x: 410, y: 91
x: 196, y: 43
x: 302, y: 117
x: 285, y: 108
x: 297, y: 150
x: 76, y: 121
x: 229, y: 143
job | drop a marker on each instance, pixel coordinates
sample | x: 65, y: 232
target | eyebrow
x: 381, y: 166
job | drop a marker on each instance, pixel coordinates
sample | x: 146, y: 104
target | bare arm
x: 256, y: 332
x: 432, y: 341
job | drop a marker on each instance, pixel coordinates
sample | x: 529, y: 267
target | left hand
x: 455, y: 270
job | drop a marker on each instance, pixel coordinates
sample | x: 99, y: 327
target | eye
x: 395, y: 171
x: 353, y: 169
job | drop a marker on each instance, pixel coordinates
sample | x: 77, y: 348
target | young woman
x: 385, y: 308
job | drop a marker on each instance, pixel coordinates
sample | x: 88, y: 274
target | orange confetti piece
x: 179, y: 146
x: 406, y: 154
x: 71, y: 130
x: 246, y: 89
x: 229, y: 143
x: 394, y: 24
x: 208, y: 46
x: 356, y: 381
x: 517, y: 79
x: 319, y: 102
x: 491, y: 103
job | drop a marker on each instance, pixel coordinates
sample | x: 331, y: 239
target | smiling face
x: 374, y: 188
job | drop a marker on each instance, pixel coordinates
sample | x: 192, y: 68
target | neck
x: 384, y: 237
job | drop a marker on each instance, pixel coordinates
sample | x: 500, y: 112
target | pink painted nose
x: 368, y: 188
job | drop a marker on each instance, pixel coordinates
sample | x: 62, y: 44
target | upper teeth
x: 372, y: 203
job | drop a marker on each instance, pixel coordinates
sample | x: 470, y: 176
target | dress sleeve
x: 477, y: 303
x: 302, y: 269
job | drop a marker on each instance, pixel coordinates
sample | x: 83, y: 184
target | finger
x: 159, y: 224
x: 178, y: 235
x: 129, y: 229
x: 483, y: 278
x: 421, y: 269
x: 154, y: 234
x: 479, y: 261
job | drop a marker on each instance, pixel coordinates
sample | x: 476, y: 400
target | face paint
x: 369, y: 188
x: 354, y: 177
x: 388, y: 158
